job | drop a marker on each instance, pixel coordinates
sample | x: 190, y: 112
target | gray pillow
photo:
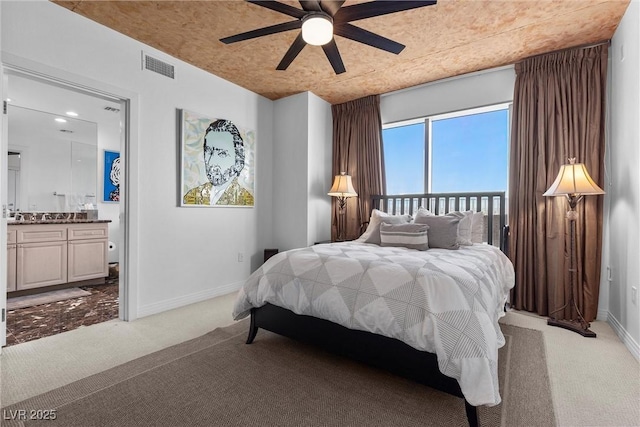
x: 374, y: 237
x: 412, y: 236
x: 443, y: 230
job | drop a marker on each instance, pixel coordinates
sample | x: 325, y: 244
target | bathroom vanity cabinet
x: 46, y: 254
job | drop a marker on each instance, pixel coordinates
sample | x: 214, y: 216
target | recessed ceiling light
x: 60, y: 120
x: 72, y: 114
x: 8, y: 99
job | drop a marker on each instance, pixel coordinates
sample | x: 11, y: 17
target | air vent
x: 153, y: 64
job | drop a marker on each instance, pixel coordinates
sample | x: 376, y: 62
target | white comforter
x: 442, y: 301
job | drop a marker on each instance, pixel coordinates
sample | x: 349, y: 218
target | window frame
x: 428, y: 134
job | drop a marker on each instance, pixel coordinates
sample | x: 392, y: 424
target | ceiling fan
x: 320, y: 20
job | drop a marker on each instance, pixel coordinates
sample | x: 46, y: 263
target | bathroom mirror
x: 52, y: 163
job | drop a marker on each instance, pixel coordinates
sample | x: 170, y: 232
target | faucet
x: 45, y: 216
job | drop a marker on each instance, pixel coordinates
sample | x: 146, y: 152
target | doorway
x: 62, y: 181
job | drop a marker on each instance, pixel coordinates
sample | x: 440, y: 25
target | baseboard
x: 163, y: 306
x: 624, y: 336
x: 602, y: 315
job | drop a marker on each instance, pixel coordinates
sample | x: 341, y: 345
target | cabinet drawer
x: 88, y: 232
x: 41, y: 233
x: 11, y: 236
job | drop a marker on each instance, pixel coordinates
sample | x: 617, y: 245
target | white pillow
x: 422, y: 212
x: 477, y: 227
x: 374, y: 225
x: 464, y: 227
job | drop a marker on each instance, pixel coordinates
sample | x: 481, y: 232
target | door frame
x: 128, y: 215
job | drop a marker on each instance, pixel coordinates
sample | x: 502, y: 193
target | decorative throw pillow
x: 372, y: 235
x: 477, y: 227
x: 464, y: 227
x: 443, y: 230
x: 412, y: 236
x: 422, y: 212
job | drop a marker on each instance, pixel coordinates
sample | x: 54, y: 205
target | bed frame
x: 376, y: 350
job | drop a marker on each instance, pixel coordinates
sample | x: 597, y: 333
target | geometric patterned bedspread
x: 446, y: 302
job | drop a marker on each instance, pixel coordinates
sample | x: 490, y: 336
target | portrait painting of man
x: 217, y: 162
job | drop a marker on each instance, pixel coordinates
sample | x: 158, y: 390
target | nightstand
x: 268, y: 253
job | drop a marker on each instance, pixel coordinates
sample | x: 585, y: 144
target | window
x: 404, y: 151
x: 460, y: 152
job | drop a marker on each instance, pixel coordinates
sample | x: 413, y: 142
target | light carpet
x: 217, y: 380
x: 45, y: 298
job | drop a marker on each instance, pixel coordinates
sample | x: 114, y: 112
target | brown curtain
x: 357, y: 139
x: 558, y: 113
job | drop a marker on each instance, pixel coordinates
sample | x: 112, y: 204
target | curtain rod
x: 580, y: 46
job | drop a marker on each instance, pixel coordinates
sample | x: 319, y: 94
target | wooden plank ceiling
x: 451, y: 38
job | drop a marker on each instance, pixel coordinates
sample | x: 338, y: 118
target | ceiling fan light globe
x: 317, y: 29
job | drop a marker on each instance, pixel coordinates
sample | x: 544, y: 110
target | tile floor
x: 31, y: 323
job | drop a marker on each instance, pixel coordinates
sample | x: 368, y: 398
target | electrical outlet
x: 240, y: 257
x: 634, y: 294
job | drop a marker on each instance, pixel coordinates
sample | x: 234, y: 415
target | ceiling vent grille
x: 157, y: 66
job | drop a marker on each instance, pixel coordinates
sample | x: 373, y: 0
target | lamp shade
x: 317, y: 28
x: 342, y: 186
x: 573, y: 179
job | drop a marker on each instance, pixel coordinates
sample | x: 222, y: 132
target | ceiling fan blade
x: 331, y: 50
x: 367, y: 37
x: 297, y: 46
x: 376, y: 8
x: 278, y: 28
x: 331, y: 7
x: 280, y: 7
x: 311, y: 5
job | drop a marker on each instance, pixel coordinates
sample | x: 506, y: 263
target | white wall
x: 180, y: 255
x: 623, y: 186
x: 445, y: 96
x: 320, y: 136
x: 109, y: 138
x: 301, y: 171
x: 290, y: 153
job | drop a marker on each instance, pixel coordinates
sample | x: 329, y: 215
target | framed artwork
x: 111, y: 179
x: 217, y: 164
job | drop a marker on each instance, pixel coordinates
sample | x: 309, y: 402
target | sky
x: 469, y: 153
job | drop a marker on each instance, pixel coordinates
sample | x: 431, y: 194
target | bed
x: 429, y: 315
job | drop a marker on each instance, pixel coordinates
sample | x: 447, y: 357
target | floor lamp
x: 574, y: 182
x: 342, y: 189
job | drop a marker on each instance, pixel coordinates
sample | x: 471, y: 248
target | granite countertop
x: 58, y: 221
